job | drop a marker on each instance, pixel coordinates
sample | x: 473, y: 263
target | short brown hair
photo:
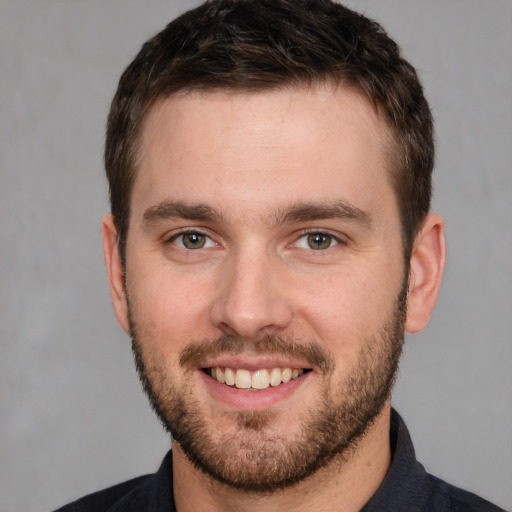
x: 257, y: 45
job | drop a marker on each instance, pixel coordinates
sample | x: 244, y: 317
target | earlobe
x: 426, y: 272
x: 115, y: 271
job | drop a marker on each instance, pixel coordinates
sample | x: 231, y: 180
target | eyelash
x: 303, y: 234
x: 337, y: 239
x: 172, y: 239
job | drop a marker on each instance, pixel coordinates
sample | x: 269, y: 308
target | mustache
x: 195, y: 352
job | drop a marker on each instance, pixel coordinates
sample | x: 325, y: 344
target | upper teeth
x: 260, y: 379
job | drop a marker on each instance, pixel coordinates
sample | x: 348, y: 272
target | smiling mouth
x: 254, y: 381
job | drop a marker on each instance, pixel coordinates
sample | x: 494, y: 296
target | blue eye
x: 317, y: 241
x: 192, y: 240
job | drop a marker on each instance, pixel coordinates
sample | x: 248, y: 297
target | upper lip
x: 254, y: 362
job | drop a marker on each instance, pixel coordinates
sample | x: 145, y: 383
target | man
x: 270, y: 241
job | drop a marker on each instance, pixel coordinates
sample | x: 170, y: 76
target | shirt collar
x: 406, y: 485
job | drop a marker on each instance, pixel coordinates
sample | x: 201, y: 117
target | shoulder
x: 150, y: 493
x: 408, y: 487
x: 448, y: 497
x: 109, y: 499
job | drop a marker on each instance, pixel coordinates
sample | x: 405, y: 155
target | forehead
x: 288, y: 145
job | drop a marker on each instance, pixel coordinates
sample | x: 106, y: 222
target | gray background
x: 72, y: 416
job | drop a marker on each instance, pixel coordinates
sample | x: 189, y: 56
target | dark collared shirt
x: 406, y: 488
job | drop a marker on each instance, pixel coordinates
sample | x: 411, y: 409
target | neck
x: 349, y: 482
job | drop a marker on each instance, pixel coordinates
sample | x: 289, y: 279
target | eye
x: 316, y: 241
x: 192, y: 240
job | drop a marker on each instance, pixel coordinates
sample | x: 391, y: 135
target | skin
x: 251, y: 158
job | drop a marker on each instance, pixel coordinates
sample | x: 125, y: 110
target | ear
x: 426, y: 271
x: 115, y: 271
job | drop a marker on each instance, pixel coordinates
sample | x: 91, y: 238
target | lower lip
x: 252, y: 400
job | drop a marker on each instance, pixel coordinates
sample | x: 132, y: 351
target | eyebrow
x: 179, y: 210
x: 298, y: 212
x: 339, y: 209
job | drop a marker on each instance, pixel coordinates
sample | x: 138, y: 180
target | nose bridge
x: 251, y: 301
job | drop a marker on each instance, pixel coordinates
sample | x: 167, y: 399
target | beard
x: 255, y: 457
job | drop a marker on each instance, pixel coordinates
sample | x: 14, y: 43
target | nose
x: 251, y: 301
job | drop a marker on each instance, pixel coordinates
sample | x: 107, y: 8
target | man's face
x: 265, y: 278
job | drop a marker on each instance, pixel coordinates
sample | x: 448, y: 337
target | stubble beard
x: 257, y: 458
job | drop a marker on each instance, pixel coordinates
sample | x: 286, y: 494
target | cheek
x: 170, y: 308
x: 345, y: 310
